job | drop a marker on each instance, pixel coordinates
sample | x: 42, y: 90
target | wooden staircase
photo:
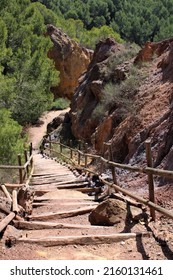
x: 60, y: 210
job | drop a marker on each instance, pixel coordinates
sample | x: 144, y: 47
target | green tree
x: 11, y: 142
x: 29, y: 73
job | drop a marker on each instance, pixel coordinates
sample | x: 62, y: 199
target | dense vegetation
x: 26, y: 73
x: 136, y: 21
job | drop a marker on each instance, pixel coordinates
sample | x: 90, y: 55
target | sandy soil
x: 37, y: 132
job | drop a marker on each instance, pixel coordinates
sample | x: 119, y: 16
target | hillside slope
x: 126, y: 120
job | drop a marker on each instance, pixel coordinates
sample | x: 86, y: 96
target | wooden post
x: 30, y: 153
x: 30, y: 149
x: 15, y: 206
x: 112, y: 167
x: 26, y: 159
x: 79, y: 144
x: 79, y: 155
x: 20, y: 170
x: 102, y: 155
x: 86, y: 161
x: 60, y: 146
x: 86, y: 157
x: 71, y: 151
x: 150, y: 177
x: 50, y: 145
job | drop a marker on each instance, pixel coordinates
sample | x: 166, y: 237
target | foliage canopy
x: 136, y: 21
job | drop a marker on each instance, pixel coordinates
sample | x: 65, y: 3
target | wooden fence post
x: 60, y: 146
x: 50, y: 145
x: 71, y: 151
x: 20, y: 170
x: 15, y: 205
x: 26, y: 159
x: 30, y: 149
x: 102, y: 155
x: 112, y: 167
x: 150, y: 177
x: 30, y: 153
x: 79, y: 155
x: 86, y: 157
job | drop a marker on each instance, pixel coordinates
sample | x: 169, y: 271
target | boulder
x: 108, y: 213
x: 55, y: 123
x: 113, y: 211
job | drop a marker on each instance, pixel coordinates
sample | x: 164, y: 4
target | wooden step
x: 82, y: 239
x: 36, y: 225
x: 62, y: 214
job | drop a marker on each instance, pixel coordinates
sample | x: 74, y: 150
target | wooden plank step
x: 36, y: 225
x: 44, y: 182
x: 82, y: 184
x: 40, y: 204
x: 60, y: 199
x: 41, y: 192
x: 47, y: 182
x: 62, y: 214
x: 82, y: 239
x: 43, y: 174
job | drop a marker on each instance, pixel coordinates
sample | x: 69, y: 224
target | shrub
x: 11, y: 142
x: 120, y: 95
x: 60, y: 104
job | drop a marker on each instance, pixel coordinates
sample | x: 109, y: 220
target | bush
x: 120, y: 95
x: 60, y: 104
x: 11, y: 142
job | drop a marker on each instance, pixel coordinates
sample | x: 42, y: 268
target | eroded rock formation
x: 71, y: 60
x: 88, y: 95
x: 152, y: 116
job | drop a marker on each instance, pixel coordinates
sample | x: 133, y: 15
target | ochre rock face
x: 71, y: 60
x: 153, y: 48
x: 88, y: 94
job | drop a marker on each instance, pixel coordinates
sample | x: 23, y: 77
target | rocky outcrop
x: 153, y: 48
x: 94, y: 120
x: 55, y: 123
x: 89, y: 93
x: 71, y: 60
x: 152, y: 114
x: 60, y: 128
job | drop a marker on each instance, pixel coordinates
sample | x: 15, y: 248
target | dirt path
x: 37, y: 132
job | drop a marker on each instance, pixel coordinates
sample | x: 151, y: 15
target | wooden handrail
x: 20, y: 167
x: 11, y: 167
x: 148, y: 170
x: 132, y: 168
x: 28, y: 162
